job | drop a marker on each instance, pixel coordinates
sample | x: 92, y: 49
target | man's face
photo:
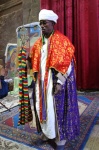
x: 47, y: 27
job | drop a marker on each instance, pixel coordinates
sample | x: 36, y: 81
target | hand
x: 27, y: 54
x: 58, y: 88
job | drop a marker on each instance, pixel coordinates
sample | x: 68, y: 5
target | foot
x: 39, y: 142
x: 42, y: 139
x: 60, y: 147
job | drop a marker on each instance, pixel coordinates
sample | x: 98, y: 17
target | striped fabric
x: 25, y: 113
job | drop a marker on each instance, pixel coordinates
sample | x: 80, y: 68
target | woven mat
x: 9, y: 101
x: 6, y: 144
x: 93, y: 141
x: 24, y: 134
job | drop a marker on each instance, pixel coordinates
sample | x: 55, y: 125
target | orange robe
x: 61, y: 52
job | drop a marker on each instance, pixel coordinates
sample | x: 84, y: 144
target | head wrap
x: 45, y: 14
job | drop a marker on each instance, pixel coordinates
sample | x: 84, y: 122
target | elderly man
x: 54, y: 92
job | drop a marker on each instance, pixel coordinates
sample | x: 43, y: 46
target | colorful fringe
x: 25, y: 113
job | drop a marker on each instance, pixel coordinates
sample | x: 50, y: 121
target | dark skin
x: 47, y: 27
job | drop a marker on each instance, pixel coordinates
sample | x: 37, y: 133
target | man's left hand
x: 58, y: 88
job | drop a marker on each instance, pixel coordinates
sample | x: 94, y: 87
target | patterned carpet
x: 93, y: 141
x: 89, y: 111
x: 9, y: 101
x: 6, y: 144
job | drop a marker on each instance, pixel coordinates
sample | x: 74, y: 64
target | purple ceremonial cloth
x: 67, y: 113
x: 67, y: 109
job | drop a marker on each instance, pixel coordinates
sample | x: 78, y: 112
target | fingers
x: 58, y: 88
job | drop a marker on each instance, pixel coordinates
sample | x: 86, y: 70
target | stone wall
x: 31, y: 9
x: 14, y: 13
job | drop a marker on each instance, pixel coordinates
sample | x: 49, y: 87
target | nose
x: 42, y: 25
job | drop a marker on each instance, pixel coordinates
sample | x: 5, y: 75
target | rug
x: 93, y: 140
x: 10, y: 101
x: 6, y: 144
x: 25, y: 135
x: 87, y: 122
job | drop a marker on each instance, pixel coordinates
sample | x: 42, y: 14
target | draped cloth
x: 25, y: 113
x: 3, y: 88
x: 60, y: 55
x: 61, y: 49
x: 66, y: 106
x: 79, y: 20
x: 58, y: 52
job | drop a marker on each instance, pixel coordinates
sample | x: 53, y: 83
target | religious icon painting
x: 10, y: 61
x: 27, y: 35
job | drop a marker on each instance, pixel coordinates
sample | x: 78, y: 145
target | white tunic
x: 48, y: 128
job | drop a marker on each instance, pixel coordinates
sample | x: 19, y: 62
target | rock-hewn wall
x: 30, y: 10
x: 14, y: 13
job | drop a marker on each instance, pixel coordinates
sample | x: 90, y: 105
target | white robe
x: 48, y: 128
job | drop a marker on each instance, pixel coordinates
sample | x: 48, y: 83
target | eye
x: 43, y: 22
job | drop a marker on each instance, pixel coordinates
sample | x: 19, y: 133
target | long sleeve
x: 62, y: 78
